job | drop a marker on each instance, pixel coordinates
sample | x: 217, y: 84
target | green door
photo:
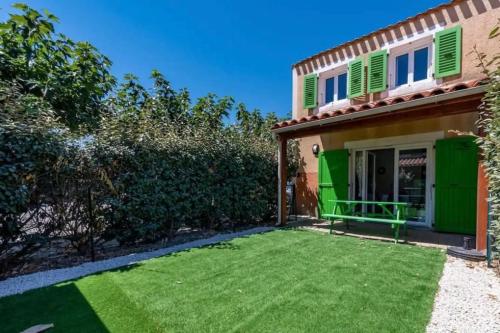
x: 333, y: 179
x: 456, y: 185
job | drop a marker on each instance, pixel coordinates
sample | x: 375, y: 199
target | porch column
x: 482, y: 208
x: 282, y: 143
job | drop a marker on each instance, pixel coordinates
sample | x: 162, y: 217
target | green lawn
x: 282, y: 281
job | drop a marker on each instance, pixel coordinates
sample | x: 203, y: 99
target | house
x: 385, y: 117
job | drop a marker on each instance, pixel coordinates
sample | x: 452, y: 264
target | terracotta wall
x: 477, y: 18
x: 307, y: 180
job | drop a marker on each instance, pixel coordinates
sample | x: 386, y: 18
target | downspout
x: 488, y: 236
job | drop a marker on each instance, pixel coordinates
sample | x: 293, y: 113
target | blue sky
x: 243, y: 49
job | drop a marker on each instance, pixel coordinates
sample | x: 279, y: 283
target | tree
x: 73, y: 77
x: 210, y: 111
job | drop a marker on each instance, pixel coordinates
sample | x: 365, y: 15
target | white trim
x: 336, y: 103
x: 429, y: 180
x: 398, y: 143
x: 392, y: 141
x: 428, y: 31
x: 333, y: 66
x: 411, y: 86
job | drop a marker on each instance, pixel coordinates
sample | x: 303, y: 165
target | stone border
x: 23, y: 283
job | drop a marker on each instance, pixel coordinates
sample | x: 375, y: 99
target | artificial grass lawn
x: 281, y: 281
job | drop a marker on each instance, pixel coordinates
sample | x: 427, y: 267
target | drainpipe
x: 488, y: 236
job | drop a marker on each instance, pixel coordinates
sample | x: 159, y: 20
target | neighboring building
x: 385, y: 110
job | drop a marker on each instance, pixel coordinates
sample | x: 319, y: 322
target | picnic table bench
x: 346, y: 210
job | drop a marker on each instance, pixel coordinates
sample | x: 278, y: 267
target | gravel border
x: 468, y: 299
x: 20, y: 284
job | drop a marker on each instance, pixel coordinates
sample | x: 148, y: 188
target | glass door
x: 412, y: 183
x: 371, y: 179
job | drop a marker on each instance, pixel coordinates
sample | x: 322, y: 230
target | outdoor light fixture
x: 315, y: 149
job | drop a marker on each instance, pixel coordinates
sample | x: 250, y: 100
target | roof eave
x: 382, y: 109
x: 373, y: 33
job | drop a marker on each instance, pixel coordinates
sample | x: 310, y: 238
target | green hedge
x: 147, y: 179
x: 85, y: 159
x: 161, y: 178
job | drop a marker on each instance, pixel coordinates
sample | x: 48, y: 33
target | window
x: 411, y: 64
x: 329, y: 90
x: 420, y: 64
x: 401, y: 70
x: 342, y: 87
x: 335, y: 88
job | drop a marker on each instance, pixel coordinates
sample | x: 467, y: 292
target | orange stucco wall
x: 307, y: 180
x: 477, y: 18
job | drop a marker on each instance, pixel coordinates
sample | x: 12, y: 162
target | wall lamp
x: 315, y: 149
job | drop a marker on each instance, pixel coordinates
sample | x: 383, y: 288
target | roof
x: 383, y: 102
x: 371, y: 34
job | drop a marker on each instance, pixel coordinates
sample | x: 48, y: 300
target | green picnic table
x: 393, y: 213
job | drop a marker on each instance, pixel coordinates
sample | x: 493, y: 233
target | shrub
x: 148, y: 163
x: 161, y: 177
x: 490, y: 125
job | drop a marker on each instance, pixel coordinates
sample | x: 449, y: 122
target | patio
x: 416, y: 236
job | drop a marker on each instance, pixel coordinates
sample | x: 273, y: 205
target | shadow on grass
x: 68, y: 308
x: 63, y: 305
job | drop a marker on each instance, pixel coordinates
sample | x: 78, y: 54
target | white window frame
x: 403, y: 142
x: 336, y: 72
x: 410, y: 49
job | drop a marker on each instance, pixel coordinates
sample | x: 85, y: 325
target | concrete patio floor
x: 384, y: 232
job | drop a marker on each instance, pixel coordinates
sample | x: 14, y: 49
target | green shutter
x: 377, y: 71
x: 333, y: 178
x: 456, y: 185
x: 448, y: 55
x: 310, y: 91
x: 356, y: 78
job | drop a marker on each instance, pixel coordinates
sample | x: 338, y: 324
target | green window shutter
x: 448, y: 55
x: 456, y: 185
x: 356, y: 78
x: 333, y: 178
x: 310, y: 91
x: 377, y: 71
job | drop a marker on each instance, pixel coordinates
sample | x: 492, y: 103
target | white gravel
x: 20, y: 284
x: 468, y: 299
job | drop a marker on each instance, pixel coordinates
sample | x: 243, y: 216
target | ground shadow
x: 382, y: 232
x: 63, y: 305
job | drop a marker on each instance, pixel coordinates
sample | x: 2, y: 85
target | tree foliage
x: 84, y: 159
x: 73, y: 77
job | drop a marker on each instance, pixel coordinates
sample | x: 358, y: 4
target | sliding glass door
x: 412, y: 182
x: 400, y: 173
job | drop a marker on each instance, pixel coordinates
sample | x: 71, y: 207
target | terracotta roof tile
x: 437, y: 91
x: 384, y: 102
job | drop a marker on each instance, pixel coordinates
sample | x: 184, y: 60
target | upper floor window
x: 411, y: 64
x: 419, y: 71
x: 335, y: 88
x: 420, y: 64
